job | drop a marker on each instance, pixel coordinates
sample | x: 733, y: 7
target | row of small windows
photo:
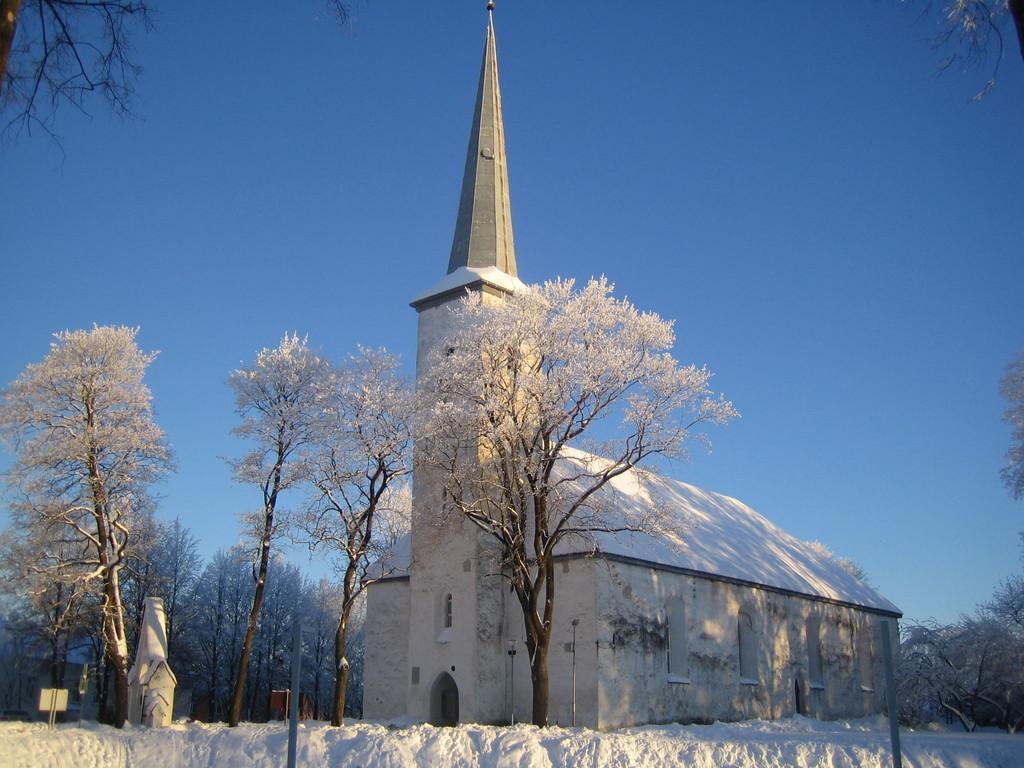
x: 677, y: 653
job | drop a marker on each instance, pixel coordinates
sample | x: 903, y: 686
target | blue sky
x: 836, y: 231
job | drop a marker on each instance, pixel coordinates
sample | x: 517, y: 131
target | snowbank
x: 791, y: 742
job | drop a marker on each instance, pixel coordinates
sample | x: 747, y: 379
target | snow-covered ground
x: 794, y: 741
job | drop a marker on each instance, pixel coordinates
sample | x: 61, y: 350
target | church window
x: 814, y: 653
x: 747, y: 645
x: 443, y: 616
x: 865, y: 664
x: 676, y: 646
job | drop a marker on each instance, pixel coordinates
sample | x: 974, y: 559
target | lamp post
x: 512, y: 656
x: 575, y: 623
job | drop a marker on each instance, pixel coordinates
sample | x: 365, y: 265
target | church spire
x: 483, y: 229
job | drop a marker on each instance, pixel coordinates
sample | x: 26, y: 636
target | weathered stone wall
x: 634, y: 604
x: 386, y: 677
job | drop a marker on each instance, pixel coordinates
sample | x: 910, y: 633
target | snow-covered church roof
x: 700, y: 532
x: 715, y: 535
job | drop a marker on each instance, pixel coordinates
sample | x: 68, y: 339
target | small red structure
x: 280, y: 701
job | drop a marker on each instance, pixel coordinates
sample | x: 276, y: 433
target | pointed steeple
x: 483, y: 255
x: 483, y: 229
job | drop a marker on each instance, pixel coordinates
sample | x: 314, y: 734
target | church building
x: 726, y: 617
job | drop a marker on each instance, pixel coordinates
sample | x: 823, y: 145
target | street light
x: 512, y: 656
x: 575, y: 623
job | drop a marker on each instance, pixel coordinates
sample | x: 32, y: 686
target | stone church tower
x: 456, y: 601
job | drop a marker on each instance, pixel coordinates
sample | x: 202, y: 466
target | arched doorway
x: 444, y: 701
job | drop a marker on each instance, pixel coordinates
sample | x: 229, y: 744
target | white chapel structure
x: 726, y: 617
x: 151, y: 682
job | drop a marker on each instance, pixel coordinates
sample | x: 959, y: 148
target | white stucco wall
x: 635, y: 685
x: 386, y: 677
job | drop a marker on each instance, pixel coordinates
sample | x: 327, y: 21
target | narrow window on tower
x: 444, y: 611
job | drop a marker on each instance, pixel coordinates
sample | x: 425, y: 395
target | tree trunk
x: 250, y: 632
x: 242, y: 673
x: 117, y: 646
x: 539, y: 678
x: 109, y: 552
x: 341, y: 665
x: 8, y: 26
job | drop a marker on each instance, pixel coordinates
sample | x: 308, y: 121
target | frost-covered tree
x: 279, y: 399
x: 852, y: 567
x: 179, y: 564
x: 53, y: 602
x: 358, y: 511
x: 321, y: 623
x: 222, y: 601
x: 166, y: 565
x: 521, y: 383
x: 1007, y: 603
x: 1012, y: 388
x: 970, y: 669
x: 270, y: 663
x: 86, y: 448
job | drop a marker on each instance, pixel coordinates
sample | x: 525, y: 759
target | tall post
x: 890, y: 696
x: 83, y: 690
x: 512, y: 656
x: 293, y: 697
x: 575, y: 623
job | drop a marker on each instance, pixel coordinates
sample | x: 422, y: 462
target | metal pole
x: 890, y: 696
x: 293, y: 697
x: 512, y: 656
x: 513, y: 686
x: 575, y: 623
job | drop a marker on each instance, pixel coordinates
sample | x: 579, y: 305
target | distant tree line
x: 42, y: 627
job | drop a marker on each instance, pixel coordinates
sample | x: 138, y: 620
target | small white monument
x: 151, y: 682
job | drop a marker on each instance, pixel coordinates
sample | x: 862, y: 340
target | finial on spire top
x: 490, y: 5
